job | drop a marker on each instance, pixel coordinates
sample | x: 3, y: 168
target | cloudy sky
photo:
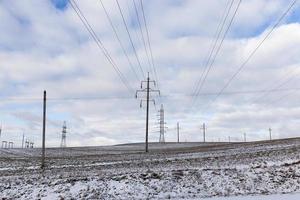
x: 45, y: 46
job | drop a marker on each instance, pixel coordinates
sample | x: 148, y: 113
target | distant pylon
x: 162, y: 124
x: 204, y: 132
x: 178, y: 132
x: 0, y: 130
x: 63, y: 135
x: 23, y: 138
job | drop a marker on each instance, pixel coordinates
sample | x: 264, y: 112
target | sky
x: 45, y: 46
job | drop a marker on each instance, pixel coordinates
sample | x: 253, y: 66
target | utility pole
x: 23, y: 141
x: 0, y: 130
x: 204, y: 132
x: 178, y: 132
x: 270, y: 133
x: 27, y: 144
x: 4, y: 144
x: 10, y: 145
x: 229, y: 139
x: 63, y: 135
x: 245, y: 137
x: 147, y: 90
x: 44, y: 130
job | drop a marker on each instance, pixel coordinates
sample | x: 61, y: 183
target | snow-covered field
x: 260, y: 170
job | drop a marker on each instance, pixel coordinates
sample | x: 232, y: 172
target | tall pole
x: 177, y: 132
x: 203, y: 132
x: 147, y: 113
x: 44, y: 130
x: 245, y: 137
x: 147, y: 90
x: 23, y: 141
x: 270, y: 133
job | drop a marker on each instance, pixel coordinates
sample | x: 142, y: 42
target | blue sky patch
x: 60, y: 4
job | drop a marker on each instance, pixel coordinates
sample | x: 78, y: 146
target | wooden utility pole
x: 23, y: 141
x: 270, y: 133
x: 44, y: 130
x: 177, y: 132
x: 204, y: 132
x: 147, y: 90
x: 147, y: 115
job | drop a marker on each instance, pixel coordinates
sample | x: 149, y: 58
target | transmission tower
x: 146, y: 90
x: 63, y: 135
x: 162, y: 124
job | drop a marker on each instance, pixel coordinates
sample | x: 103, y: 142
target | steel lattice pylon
x: 63, y: 135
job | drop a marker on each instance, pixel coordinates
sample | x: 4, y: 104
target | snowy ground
x: 261, y: 170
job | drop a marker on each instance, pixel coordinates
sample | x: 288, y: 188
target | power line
x: 99, y: 43
x: 142, y: 34
x: 213, y: 45
x: 149, y: 44
x: 129, y: 97
x: 255, y: 50
x: 276, y: 87
x: 219, y: 47
x: 119, y: 40
x: 130, y: 39
x: 287, y: 78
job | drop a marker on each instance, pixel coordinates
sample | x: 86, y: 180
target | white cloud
x: 45, y: 48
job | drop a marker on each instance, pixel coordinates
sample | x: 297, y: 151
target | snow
x: 295, y: 196
x: 260, y: 170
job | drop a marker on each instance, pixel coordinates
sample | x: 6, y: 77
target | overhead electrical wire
x: 100, y: 44
x: 129, y: 97
x: 254, y: 50
x: 130, y: 39
x: 149, y: 44
x: 214, y: 43
x: 218, y: 48
x: 119, y: 40
x: 142, y: 35
x: 289, y: 76
x: 280, y: 85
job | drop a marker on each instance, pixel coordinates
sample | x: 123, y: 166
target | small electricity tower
x: 63, y: 135
x: 147, y: 90
x: 162, y: 124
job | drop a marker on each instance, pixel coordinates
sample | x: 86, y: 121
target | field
x: 168, y: 171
